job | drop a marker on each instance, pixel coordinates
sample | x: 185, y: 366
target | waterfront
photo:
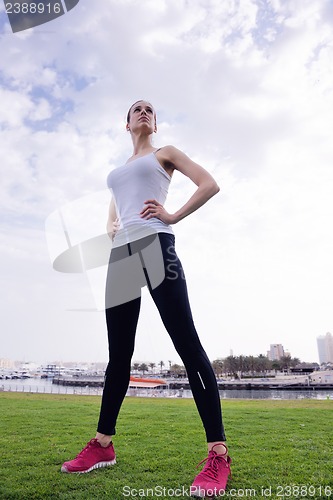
x: 45, y: 386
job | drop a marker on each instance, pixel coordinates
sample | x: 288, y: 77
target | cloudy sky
x: 245, y: 88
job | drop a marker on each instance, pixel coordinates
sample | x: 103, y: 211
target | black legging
x: 171, y: 299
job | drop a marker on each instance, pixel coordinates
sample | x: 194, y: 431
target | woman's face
x: 142, y: 115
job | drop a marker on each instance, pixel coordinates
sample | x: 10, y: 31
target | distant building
x: 276, y: 351
x: 6, y: 363
x: 325, y: 348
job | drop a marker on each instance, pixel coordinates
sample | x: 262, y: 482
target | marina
x: 174, y: 388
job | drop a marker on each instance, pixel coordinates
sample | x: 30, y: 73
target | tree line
x: 238, y: 366
x: 231, y: 366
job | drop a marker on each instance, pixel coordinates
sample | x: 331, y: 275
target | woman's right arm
x: 112, y: 225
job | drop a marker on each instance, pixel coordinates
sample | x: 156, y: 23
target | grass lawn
x: 280, y: 449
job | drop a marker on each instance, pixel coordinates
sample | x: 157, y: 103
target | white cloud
x: 246, y: 90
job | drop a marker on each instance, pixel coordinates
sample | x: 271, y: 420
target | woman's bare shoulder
x: 169, y: 155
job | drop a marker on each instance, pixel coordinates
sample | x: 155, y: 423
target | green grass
x: 273, y: 444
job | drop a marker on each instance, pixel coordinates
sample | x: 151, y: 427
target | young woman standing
x: 143, y: 253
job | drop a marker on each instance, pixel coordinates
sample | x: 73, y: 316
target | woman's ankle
x: 219, y: 447
x: 103, y: 439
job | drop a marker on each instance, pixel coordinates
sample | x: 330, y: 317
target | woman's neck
x: 141, y: 145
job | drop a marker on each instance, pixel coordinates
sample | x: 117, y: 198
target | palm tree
x: 161, y: 363
x: 135, y: 367
x: 263, y: 363
x: 231, y: 366
x: 152, y: 366
x: 217, y: 365
x: 251, y: 364
x: 241, y: 365
x: 295, y: 362
x: 286, y: 363
x: 276, y: 365
x: 143, y: 368
x: 177, y: 370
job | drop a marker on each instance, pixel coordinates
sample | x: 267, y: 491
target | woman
x: 143, y: 253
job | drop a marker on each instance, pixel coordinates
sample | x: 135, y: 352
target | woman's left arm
x: 207, y: 187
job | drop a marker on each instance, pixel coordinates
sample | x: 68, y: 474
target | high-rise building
x: 6, y: 363
x: 325, y: 348
x: 276, y: 351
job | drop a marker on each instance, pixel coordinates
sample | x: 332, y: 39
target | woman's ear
x: 127, y: 127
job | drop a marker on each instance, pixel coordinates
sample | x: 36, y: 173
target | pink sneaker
x: 91, y: 457
x: 212, y: 480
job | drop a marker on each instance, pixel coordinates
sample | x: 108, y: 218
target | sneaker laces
x: 86, y: 448
x: 213, y: 462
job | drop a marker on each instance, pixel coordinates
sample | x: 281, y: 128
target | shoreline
x: 184, y: 384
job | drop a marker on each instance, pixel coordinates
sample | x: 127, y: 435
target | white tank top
x: 131, y: 185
